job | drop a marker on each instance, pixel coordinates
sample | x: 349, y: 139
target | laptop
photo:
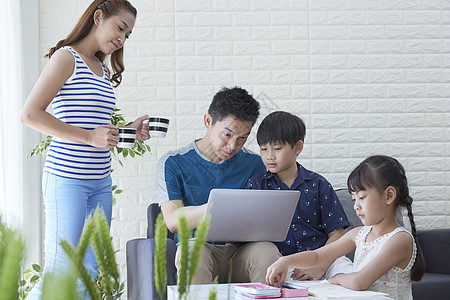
x: 241, y: 215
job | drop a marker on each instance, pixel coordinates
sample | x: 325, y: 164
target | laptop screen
x: 241, y: 215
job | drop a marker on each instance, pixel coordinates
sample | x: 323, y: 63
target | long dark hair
x: 84, y: 25
x: 379, y: 172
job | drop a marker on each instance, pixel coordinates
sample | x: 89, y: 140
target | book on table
x: 324, y: 289
x: 257, y: 289
x: 262, y: 291
x: 242, y: 295
x: 291, y: 290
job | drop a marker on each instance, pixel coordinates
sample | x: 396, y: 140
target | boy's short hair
x: 281, y: 127
x: 234, y: 101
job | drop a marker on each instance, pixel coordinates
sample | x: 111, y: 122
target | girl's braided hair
x: 379, y: 172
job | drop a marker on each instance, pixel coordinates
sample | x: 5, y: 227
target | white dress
x: 396, y: 282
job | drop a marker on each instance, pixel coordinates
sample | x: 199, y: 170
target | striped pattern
x: 87, y: 101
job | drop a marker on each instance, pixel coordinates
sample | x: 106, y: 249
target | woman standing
x: 79, y: 87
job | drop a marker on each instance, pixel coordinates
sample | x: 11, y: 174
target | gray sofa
x: 140, y: 261
x: 435, y: 284
x: 435, y: 245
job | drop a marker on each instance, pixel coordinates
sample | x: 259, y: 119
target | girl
x: 387, y: 256
x: 76, y: 81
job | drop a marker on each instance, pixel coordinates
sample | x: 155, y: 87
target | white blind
x: 11, y: 159
x: 20, y: 194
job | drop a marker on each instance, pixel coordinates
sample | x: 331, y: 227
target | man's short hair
x: 234, y: 101
x: 281, y: 127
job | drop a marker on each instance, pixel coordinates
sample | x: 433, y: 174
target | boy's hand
x: 307, y: 274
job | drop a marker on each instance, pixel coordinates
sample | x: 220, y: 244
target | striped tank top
x: 87, y: 101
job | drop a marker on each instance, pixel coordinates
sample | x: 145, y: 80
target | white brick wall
x: 368, y: 77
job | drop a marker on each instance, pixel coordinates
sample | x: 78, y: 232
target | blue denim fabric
x: 68, y: 203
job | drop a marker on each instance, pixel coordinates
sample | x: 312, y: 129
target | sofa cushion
x: 436, y: 249
x: 432, y: 286
x: 347, y: 203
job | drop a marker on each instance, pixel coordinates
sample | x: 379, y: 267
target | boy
x: 218, y: 160
x: 319, y: 217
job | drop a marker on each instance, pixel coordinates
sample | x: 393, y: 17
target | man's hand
x: 173, y: 209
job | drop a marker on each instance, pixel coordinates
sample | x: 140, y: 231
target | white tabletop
x: 226, y: 292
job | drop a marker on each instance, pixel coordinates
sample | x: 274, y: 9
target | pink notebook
x: 257, y: 296
x: 294, y: 292
x: 259, y: 290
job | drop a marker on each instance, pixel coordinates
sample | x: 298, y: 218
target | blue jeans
x: 68, y: 203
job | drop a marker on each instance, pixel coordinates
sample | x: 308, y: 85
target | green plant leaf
x: 78, y: 265
x: 200, y: 237
x: 41, y: 147
x: 160, y: 256
x: 183, y: 238
x: 36, y: 267
x: 212, y: 294
x: 58, y: 287
x: 11, y: 254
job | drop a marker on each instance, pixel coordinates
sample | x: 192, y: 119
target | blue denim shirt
x: 318, y: 211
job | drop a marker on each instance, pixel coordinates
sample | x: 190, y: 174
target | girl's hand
x: 277, y: 272
x: 349, y: 280
x: 141, y: 124
x: 334, y: 279
x: 104, y: 136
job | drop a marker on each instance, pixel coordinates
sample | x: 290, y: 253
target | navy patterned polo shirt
x: 318, y: 211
